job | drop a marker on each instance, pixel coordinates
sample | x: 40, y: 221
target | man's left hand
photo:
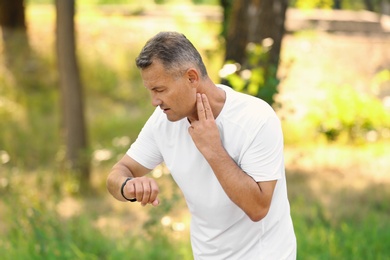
x: 204, y: 131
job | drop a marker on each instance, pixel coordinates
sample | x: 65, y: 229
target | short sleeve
x: 263, y: 158
x: 145, y: 150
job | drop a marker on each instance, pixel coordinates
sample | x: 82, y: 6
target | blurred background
x: 72, y: 101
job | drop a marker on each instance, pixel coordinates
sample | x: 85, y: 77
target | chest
x: 190, y: 169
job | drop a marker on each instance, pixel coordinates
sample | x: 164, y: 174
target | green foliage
x: 39, y: 1
x: 206, y: 2
x: 360, y: 233
x: 257, y: 77
x: 342, y: 241
x: 89, y: 2
x: 344, y: 113
x: 311, y: 4
x: 102, y: 2
x: 28, y: 107
x: 37, y: 228
x: 380, y: 79
x: 345, y: 4
x: 126, y: 2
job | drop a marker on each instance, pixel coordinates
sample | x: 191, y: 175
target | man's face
x: 174, y: 94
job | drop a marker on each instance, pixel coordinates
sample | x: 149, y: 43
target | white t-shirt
x: 251, y: 134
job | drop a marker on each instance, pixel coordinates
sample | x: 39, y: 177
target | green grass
x: 39, y: 233
x: 322, y: 237
x: 339, y: 200
x: 37, y: 222
x: 41, y: 219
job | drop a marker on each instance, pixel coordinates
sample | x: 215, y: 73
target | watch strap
x: 123, y: 186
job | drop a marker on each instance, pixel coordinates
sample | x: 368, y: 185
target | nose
x: 155, y: 101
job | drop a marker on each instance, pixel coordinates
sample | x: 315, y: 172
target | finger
x: 139, y: 191
x: 153, y: 195
x: 146, y: 194
x: 207, y: 108
x: 200, y: 107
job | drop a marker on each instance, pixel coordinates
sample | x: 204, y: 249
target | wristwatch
x: 123, y: 185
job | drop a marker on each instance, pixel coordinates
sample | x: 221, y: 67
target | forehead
x: 158, y: 75
x: 154, y: 73
x: 156, y: 66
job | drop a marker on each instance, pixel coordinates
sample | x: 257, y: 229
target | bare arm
x: 254, y: 198
x: 143, y: 188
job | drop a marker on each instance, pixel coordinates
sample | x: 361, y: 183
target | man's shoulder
x: 245, y: 108
x: 245, y: 101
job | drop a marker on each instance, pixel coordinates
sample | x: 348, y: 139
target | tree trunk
x: 337, y: 4
x: 369, y: 5
x: 269, y: 23
x: 14, y: 33
x: 226, y: 7
x: 253, y: 21
x: 385, y: 7
x: 237, y: 32
x: 71, y: 91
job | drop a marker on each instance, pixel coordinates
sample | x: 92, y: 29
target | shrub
x: 343, y: 113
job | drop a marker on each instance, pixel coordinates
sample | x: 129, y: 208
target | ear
x: 193, y: 76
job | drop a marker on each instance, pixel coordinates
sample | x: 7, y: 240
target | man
x: 223, y: 148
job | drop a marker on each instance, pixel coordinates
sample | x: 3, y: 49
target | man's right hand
x: 144, y: 189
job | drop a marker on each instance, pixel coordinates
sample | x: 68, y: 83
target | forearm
x: 241, y: 188
x: 115, y: 180
x: 142, y: 188
x: 252, y: 197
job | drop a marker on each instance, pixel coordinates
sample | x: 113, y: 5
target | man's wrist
x: 122, y: 190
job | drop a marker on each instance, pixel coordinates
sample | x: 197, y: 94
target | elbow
x: 111, y: 185
x: 108, y: 184
x: 256, y: 217
x: 258, y: 214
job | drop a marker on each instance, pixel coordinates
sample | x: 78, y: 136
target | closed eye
x: 157, y: 89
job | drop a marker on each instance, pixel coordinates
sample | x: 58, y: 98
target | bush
x: 257, y: 77
x: 344, y: 114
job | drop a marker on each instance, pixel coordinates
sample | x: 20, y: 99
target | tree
x: 237, y: 31
x: 71, y: 91
x: 379, y: 6
x: 253, y: 40
x: 269, y: 18
x: 226, y: 7
x: 14, y: 33
x: 369, y: 4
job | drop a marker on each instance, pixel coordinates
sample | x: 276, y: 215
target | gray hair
x: 174, y: 50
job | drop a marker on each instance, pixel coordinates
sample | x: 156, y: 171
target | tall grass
x: 321, y: 235
x: 41, y: 219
